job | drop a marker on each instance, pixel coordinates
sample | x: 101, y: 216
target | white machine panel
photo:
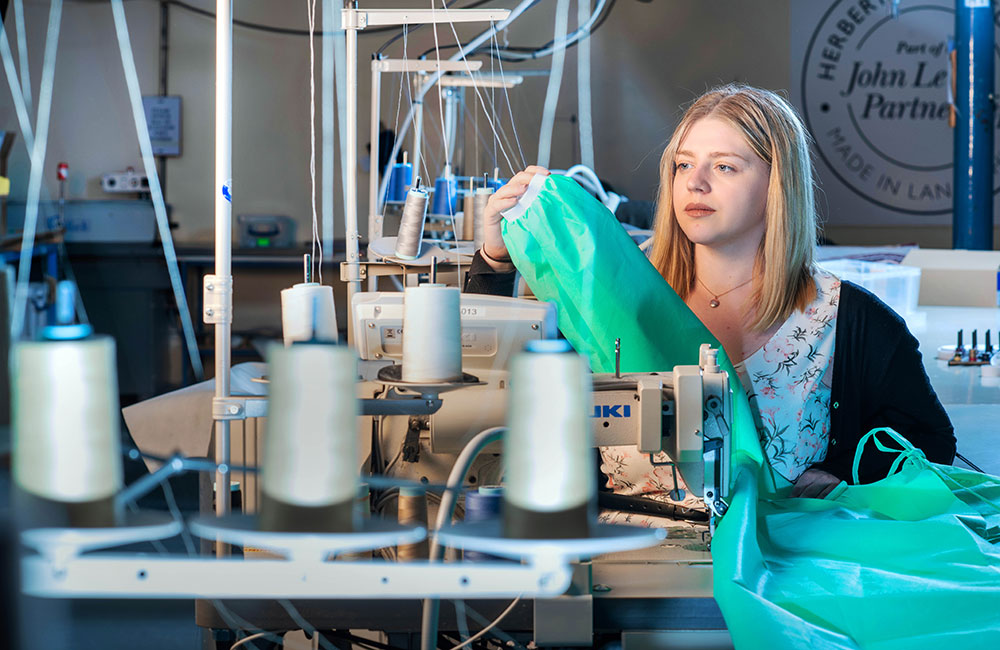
x: 493, y: 327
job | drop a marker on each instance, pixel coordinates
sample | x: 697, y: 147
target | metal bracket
x: 346, y: 274
x: 218, y: 299
x: 239, y: 407
x: 650, y: 391
x: 567, y: 620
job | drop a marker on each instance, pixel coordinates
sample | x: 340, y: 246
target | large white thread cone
x: 432, y: 334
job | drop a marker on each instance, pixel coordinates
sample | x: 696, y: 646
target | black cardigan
x: 878, y: 381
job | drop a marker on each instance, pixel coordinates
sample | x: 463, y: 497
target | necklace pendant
x: 713, y: 303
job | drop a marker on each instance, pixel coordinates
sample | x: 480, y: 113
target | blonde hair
x: 783, y: 267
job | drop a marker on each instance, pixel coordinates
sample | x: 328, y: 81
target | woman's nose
x: 697, y: 182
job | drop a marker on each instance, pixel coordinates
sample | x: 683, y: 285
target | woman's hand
x: 503, y: 199
x: 815, y: 484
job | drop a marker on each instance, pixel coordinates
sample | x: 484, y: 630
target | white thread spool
x: 310, y: 477
x: 411, y: 225
x: 66, y: 442
x: 548, y: 448
x: 479, y: 210
x: 432, y: 334
x: 307, y: 313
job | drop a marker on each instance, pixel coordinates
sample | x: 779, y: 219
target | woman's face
x: 719, y: 187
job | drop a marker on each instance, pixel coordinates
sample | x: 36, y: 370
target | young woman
x: 823, y: 361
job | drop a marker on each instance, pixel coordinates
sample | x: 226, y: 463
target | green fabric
x: 909, y: 562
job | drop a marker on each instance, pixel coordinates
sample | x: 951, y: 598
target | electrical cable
x: 431, y: 606
x: 512, y: 53
x: 489, y: 627
x: 361, y: 641
x: 252, y: 637
x: 306, y: 627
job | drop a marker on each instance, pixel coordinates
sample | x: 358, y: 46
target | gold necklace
x: 714, y: 302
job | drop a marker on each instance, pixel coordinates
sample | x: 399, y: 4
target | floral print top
x: 788, y: 384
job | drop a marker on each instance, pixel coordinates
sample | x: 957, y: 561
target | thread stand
x: 393, y: 376
x: 487, y: 537
x: 241, y: 530
x: 64, y: 543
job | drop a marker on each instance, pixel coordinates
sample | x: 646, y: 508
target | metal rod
x: 618, y: 358
x: 223, y: 238
x: 418, y: 122
x: 307, y: 271
x: 351, y: 191
x: 374, y: 215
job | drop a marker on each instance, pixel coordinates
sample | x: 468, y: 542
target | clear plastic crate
x: 896, y: 285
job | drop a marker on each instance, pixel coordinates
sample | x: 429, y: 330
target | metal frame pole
x: 374, y: 215
x: 973, y: 172
x: 223, y: 238
x: 351, y: 192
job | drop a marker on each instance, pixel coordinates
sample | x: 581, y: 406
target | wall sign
x: 163, y: 118
x: 874, y: 91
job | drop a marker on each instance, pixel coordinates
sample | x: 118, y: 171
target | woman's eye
x: 726, y: 168
x: 682, y: 166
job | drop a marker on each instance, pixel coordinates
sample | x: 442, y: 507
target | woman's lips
x: 698, y: 210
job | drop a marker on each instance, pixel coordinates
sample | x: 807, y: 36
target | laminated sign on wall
x: 875, y: 92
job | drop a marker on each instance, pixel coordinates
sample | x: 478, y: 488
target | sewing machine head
x: 684, y: 411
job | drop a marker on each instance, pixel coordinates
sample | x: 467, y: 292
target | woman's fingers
x: 814, y: 484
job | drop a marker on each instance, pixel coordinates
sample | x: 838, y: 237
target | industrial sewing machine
x: 684, y: 412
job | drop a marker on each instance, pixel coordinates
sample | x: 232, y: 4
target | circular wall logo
x: 875, y: 93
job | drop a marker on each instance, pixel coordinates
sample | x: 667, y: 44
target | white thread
x: 310, y: 438
x: 510, y: 111
x: 65, y: 419
x: 437, y: 54
x: 475, y: 86
x: 547, y: 450
x: 471, y: 46
x: 411, y: 225
x: 307, y: 313
x: 432, y: 343
x: 316, y: 241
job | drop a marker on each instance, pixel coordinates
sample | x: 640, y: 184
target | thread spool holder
x: 242, y: 530
x: 393, y: 376
x: 58, y: 545
x: 487, y: 537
